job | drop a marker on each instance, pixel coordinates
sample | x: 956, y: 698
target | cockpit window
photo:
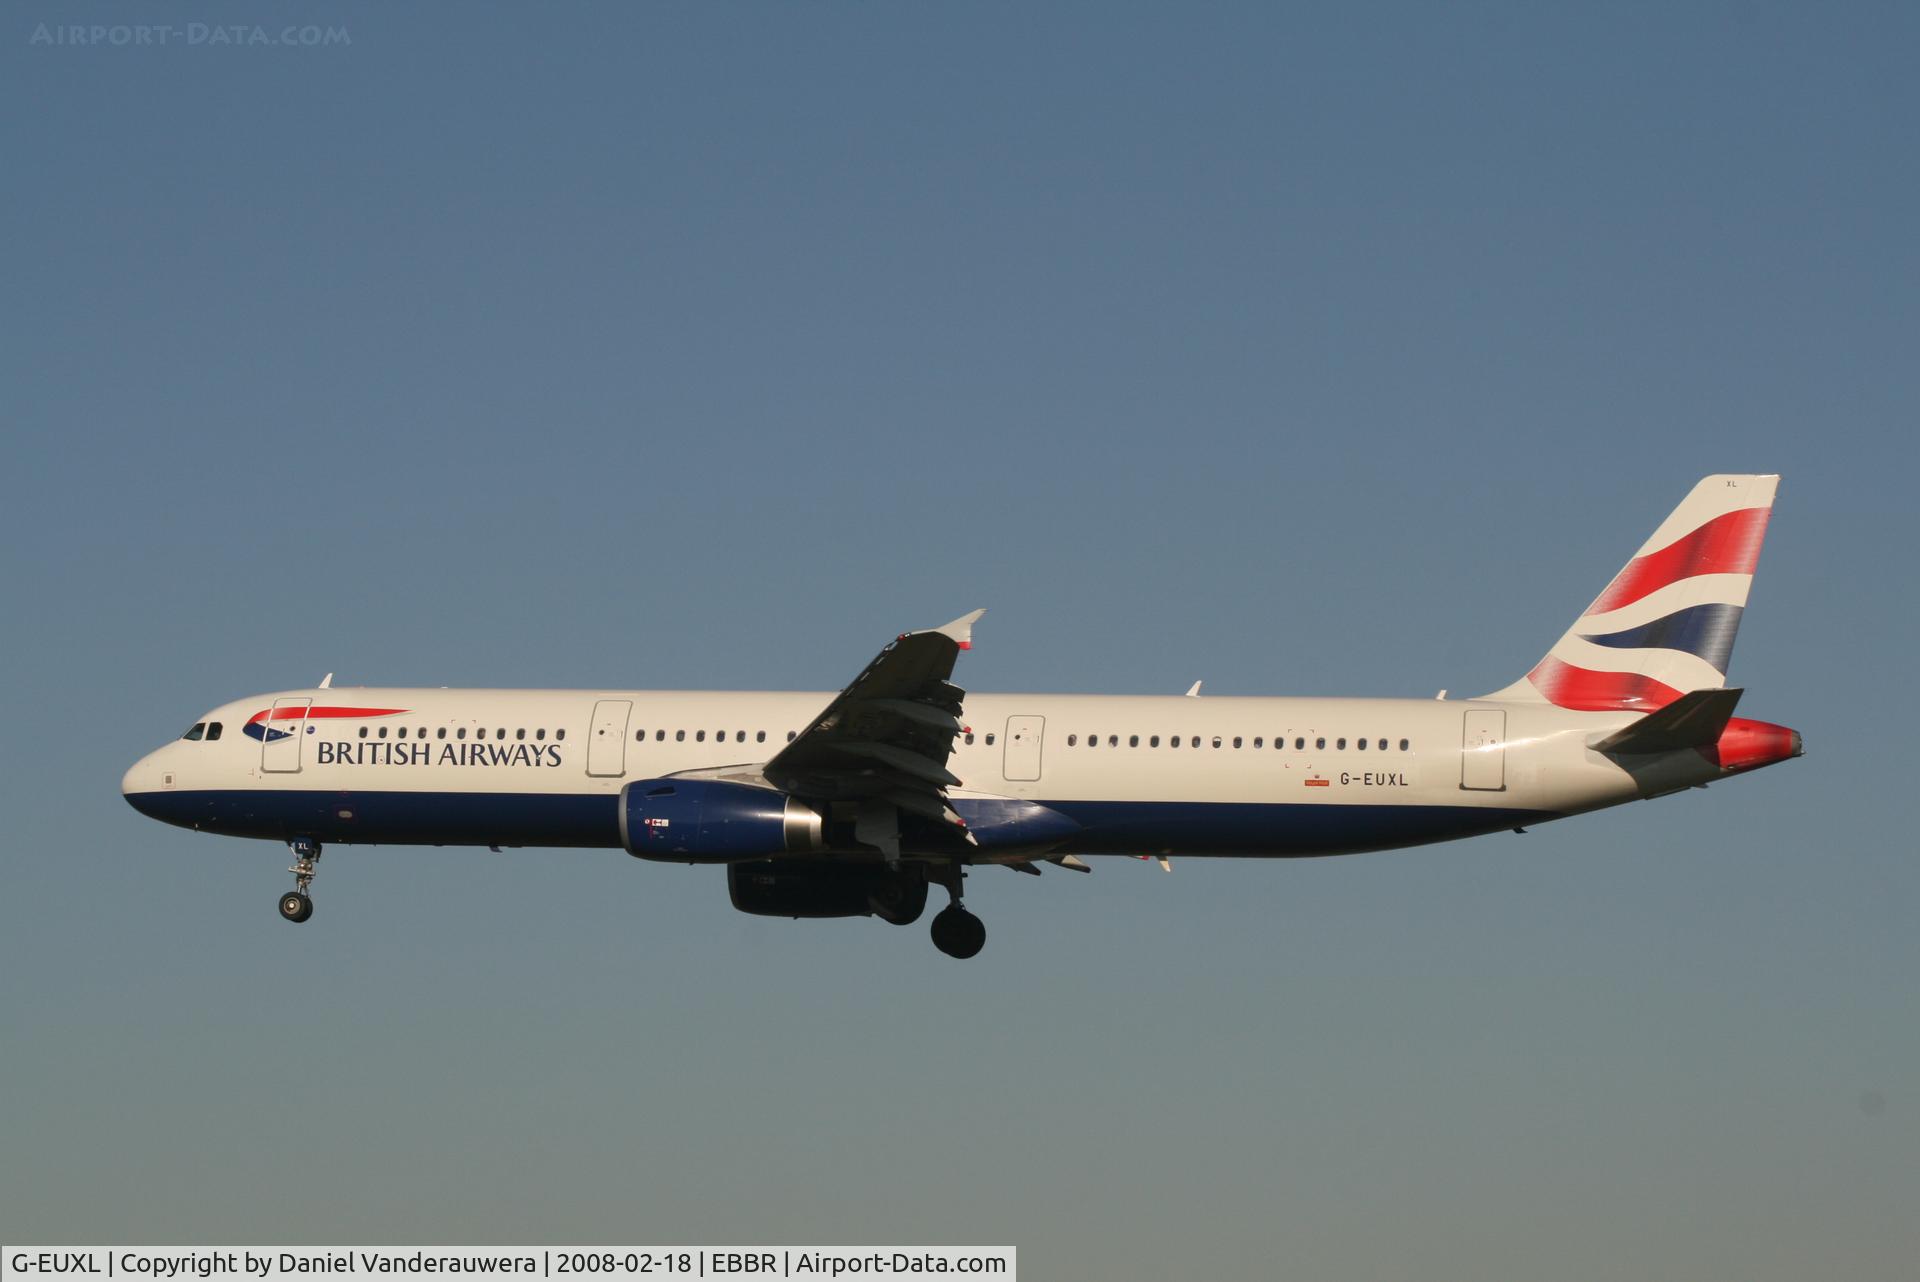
x: 213, y: 731
x: 199, y: 728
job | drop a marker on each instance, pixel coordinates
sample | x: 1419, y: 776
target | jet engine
x: 704, y: 821
x: 827, y: 888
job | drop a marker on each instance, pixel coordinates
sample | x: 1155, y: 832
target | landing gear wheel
x: 958, y: 933
x: 294, y: 905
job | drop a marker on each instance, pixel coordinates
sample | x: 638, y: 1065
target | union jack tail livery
x: 1665, y: 625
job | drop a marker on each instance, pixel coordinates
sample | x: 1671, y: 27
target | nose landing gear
x: 296, y: 904
x: 957, y: 932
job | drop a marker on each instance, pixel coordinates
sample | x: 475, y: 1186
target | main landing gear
x: 296, y: 905
x: 957, y: 932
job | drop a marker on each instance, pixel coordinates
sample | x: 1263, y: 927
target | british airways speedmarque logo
x: 260, y: 726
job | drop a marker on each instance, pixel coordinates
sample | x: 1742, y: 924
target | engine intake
x: 698, y: 821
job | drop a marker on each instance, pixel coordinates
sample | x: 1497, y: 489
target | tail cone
x: 1748, y: 745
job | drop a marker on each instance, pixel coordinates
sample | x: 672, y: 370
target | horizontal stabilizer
x: 1691, y: 721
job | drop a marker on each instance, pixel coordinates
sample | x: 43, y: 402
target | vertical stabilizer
x: 1666, y: 623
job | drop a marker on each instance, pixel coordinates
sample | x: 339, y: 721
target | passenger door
x: 281, y: 736
x: 1483, y: 750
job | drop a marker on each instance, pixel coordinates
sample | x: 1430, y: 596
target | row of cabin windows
x: 1259, y: 741
x: 460, y: 732
x: 700, y: 736
x: 210, y: 731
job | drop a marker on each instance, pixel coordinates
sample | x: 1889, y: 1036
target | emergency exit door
x: 1023, y: 748
x: 607, y: 738
x: 1483, y: 750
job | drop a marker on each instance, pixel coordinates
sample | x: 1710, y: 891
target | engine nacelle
x: 704, y: 821
x: 826, y: 888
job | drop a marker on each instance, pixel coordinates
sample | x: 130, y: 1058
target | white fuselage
x: 1136, y: 775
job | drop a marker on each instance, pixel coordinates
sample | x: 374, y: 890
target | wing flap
x: 887, y: 738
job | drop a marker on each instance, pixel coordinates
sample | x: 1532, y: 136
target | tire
x: 295, y: 906
x: 958, y: 933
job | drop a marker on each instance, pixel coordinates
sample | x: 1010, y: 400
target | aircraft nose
x: 141, y: 781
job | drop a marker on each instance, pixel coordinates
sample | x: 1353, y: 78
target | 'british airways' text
x: 363, y: 753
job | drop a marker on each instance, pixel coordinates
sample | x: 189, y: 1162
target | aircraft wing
x: 885, y: 741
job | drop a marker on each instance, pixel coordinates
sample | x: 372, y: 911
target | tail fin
x: 1665, y: 625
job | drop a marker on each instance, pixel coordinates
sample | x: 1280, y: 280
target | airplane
x: 853, y: 805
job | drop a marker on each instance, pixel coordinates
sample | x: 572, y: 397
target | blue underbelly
x: 1067, y: 827
x: 416, y: 818
x: 1272, y: 828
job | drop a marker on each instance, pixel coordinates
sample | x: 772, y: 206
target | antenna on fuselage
x: 1193, y: 691
x: 326, y: 682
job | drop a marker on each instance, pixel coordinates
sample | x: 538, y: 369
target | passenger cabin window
x: 1321, y: 742
x: 659, y: 736
x: 383, y: 732
x: 760, y: 736
x: 559, y: 734
x: 197, y: 732
x: 480, y: 732
x: 441, y: 733
x: 541, y: 734
x: 461, y: 733
x: 989, y: 738
x: 521, y: 733
x: 1403, y: 745
x: 1133, y: 741
x: 1154, y: 742
x: 1072, y: 739
x: 679, y: 736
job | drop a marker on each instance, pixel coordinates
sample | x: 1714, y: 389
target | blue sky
x: 1310, y: 352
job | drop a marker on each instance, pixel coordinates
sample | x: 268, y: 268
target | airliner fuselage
x: 1133, y: 775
